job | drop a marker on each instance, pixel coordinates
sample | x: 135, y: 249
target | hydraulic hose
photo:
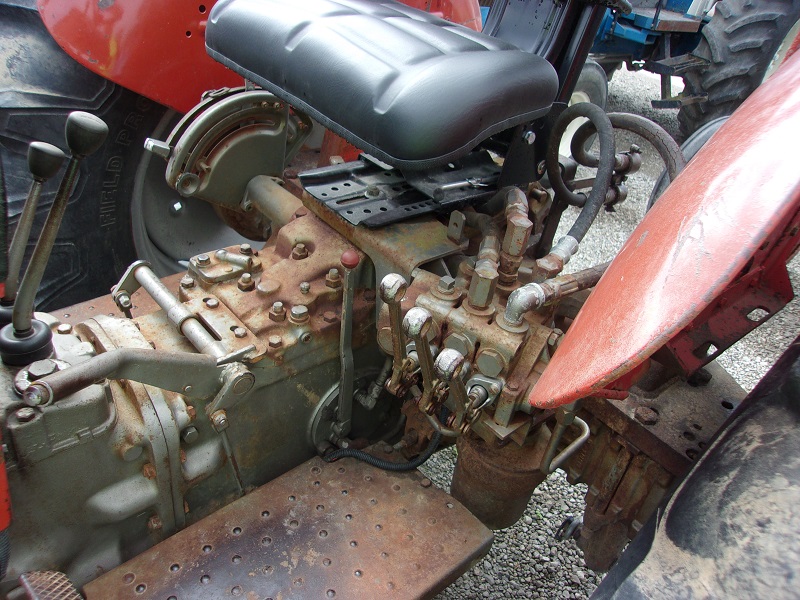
x: 385, y: 464
x: 605, y: 170
x: 667, y: 148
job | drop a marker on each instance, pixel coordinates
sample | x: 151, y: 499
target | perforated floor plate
x: 340, y: 530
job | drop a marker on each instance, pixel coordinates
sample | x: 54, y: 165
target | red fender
x: 740, y: 193
x: 157, y: 47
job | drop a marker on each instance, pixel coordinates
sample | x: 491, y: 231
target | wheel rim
x: 782, y: 51
x: 566, y: 139
x: 167, y: 228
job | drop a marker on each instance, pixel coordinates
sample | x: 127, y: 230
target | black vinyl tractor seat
x: 410, y: 88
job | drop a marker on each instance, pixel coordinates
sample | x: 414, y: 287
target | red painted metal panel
x: 740, y: 190
x: 157, y: 47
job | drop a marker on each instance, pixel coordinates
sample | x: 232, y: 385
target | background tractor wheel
x: 740, y: 43
x: 592, y: 86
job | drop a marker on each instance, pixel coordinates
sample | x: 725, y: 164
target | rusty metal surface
x: 496, y: 481
x: 48, y: 585
x: 734, y: 195
x: 340, y: 530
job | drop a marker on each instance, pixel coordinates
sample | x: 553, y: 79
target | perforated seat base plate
x: 340, y: 530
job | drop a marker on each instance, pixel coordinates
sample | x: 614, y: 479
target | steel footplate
x: 340, y: 530
x: 373, y: 194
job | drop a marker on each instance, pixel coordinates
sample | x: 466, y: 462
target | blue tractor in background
x: 723, y: 49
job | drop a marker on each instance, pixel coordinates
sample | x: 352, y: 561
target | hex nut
x: 299, y: 252
x: 64, y: 328
x: 305, y: 287
x: 275, y: 341
x: 246, y: 283
x: 645, y: 415
x: 459, y: 342
x: 190, y: 434
x: 277, y: 313
x: 203, y: 260
x: 239, y: 332
x: 211, y: 302
x: 245, y: 249
x: 333, y: 279
x: 490, y: 362
x: 41, y: 368
x: 187, y: 282
x: 25, y: 414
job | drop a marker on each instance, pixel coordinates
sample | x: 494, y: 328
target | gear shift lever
x: 44, y: 161
x: 27, y: 339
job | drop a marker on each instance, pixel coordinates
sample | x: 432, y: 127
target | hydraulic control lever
x: 27, y: 339
x: 44, y: 161
x: 416, y: 325
x: 392, y: 289
x: 448, y: 366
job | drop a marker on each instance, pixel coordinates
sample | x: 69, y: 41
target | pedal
x: 675, y: 65
x: 323, y: 530
x: 48, y: 585
x: 678, y: 101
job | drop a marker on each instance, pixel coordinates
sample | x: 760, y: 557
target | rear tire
x: 739, y: 42
x: 592, y: 86
x: 39, y: 86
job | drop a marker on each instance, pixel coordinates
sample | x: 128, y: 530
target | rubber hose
x: 385, y: 464
x: 602, y: 180
x: 667, y: 148
x: 5, y: 552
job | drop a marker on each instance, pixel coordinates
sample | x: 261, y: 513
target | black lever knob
x: 44, y: 160
x: 85, y: 133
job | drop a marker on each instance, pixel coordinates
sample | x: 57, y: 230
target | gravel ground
x: 526, y: 561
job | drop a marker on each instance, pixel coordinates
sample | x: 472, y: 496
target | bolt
x: 245, y: 249
x: 333, y: 279
x: 447, y: 285
x: 299, y: 252
x: 529, y: 137
x: 149, y: 471
x: 299, y: 313
x: 154, y: 523
x: 277, y: 312
x: 460, y: 342
x: 239, y: 332
x: 426, y: 483
x: 42, y: 368
x: 554, y: 337
x: 220, y: 420
x: 203, y: 260
x: 275, y: 341
x: 372, y: 191
x: 211, y: 302
x: 124, y: 301
x: 645, y: 415
x: 490, y: 362
x: 246, y: 283
x: 187, y: 282
x: 26, y: 415
x: 305, y: 287
x: 190, y: 434
x: 64, y: 328
x: 541, y: 167
x: 190, y: 410
x: 329, y: 316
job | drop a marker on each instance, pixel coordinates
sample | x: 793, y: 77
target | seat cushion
x: 410, y: 88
